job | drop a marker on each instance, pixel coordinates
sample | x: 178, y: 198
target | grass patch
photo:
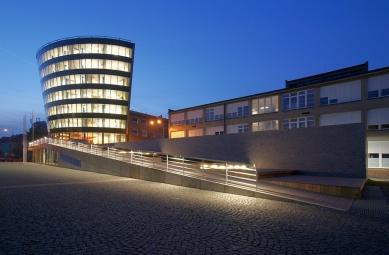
x: 377, y: 183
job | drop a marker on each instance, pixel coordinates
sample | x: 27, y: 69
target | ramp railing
x: 230, y: 173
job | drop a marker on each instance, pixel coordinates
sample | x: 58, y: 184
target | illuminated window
x: 298, y: 123
x: 265, y: 105
x: 265, y: 125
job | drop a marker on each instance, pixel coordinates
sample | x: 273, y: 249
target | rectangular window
x: 384, y: 92
x: 264, y: 105
x: 378, y: 154
x: 378, y: 119
x: 239, y: 128
x: 265, y: 125
x: 144, y: 133
x: 177, y: 119
x: 152, y: 135
x: 144, y: 122
x: 214, y: 130
x: 194, y: 116
x: 135, y: 120
x: 297, y: 100
x: 237, y: 110
x: 215, y: 113
x: 195, y: 132
x: 135, y: 132
x: 340, y: 118
x: 298, y: 122
x: 177, y: 134
x: 373, y: 94
x: 378, y: 86
x: 340, y: 93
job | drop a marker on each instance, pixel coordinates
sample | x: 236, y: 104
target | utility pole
x: 24, y: 140
x: 32, y: 120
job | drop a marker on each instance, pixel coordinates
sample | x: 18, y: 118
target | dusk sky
x: 189, y: 53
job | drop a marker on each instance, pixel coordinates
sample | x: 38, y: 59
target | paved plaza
x: 52, y: 210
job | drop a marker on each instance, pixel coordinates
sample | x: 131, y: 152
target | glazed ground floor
x: 90, y: 137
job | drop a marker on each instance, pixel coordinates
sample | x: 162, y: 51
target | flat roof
x: 290, y: 88
x: 146, y: 114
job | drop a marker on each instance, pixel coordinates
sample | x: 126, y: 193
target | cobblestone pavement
x: 51, y: 210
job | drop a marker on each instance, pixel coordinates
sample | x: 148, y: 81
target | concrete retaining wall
x: 338, y: 151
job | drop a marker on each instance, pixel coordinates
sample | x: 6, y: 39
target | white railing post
x: 108, y: 152
x: 141, y: 158
x: 131, y: 157
x: 226, y: 173
x: 256, y: 178
x: 167, y: 163
x: 202, y: 161
x: 183, y: 171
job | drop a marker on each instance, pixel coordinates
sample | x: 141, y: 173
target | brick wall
x: 328, y: 151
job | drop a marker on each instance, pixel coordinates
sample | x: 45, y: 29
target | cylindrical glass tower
x: 86, y: 88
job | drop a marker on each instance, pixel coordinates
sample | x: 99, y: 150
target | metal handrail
x: 229, y: 173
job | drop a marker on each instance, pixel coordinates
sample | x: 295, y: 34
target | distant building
x: 142, y: 126
x: 86, y: 88
x: 40, y: 125
x: 11, y: 146
x: 348, y: 95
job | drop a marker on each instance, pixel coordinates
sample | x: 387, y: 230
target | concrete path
x: 52, y: 210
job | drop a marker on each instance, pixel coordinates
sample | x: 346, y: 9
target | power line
x: 17, y: 56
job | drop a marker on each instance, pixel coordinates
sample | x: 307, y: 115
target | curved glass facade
x: 84, y: 48
x: 85, y: 78
x: 85, y: 64
x: 86, y: 88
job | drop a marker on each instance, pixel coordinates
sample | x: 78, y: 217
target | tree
x: 39, y: 132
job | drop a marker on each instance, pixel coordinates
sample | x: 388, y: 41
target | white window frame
x: 300, y: 97
x: 235, y: 110
x: 300, y: 122
x: 214, y: 113
x: 267, y: 105
x: 264, y: 125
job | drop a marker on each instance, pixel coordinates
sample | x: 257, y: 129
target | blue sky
x: 190, y: 53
